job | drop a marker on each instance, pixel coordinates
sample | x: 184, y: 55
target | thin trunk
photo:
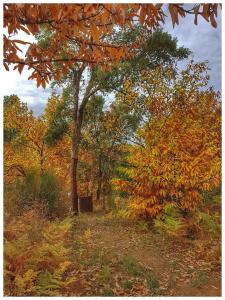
x: 78, y: 113
x: 42, y: 159
x: 74, y: 192
x: 99, y: 180
x: 75, y: 141
x: 99, y: 190
x: 103, y: 200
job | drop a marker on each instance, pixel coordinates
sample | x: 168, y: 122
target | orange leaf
x: 21, y: 42
x: 142, y: 15
x: 6, y: 66
x: 20, y: 68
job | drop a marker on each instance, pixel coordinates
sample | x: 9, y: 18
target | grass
x: 200, y: 279
x: 132, y: 267
x: 142, y: 226
x: 107, y: 292
x: 112, y: 260
x: 95, y: 259
x: 105, y: 273
x: 128, y: 285
x: 152, y: 282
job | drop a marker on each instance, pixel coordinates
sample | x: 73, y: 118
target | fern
x: 37, y: 266
x: 169, y: 221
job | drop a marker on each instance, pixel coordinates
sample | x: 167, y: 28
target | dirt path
x: 119, y: 258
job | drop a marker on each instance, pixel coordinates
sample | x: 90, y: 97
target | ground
x: 124, y: 258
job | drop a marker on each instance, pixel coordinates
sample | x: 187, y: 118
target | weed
x: 105, y: 273
x: 107, y: 292
x: 132, y: 266
x: 95, y: 259
x: 128, y: 285
x: 200, y: 279
x: 142, y: 226
x: 152, y: 282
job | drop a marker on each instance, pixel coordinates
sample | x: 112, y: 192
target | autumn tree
x: 180, y: 154
x: 80, y: 39
x: 159, y: 48
x: 57, y: 138
x: 26, y: 138
x: 104, y: 132
x: 89, y: 26
x: 23, y: 133
x: 33, y: 172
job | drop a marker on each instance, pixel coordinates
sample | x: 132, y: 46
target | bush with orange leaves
x: 180, y: 153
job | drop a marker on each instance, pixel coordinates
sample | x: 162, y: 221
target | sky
x: 203, y: 40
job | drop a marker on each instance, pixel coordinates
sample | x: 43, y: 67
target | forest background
x: 118, y: 161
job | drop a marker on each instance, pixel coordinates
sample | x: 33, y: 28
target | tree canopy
x: 88, y: 28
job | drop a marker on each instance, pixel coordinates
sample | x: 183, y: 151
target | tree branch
x: 51, y: 61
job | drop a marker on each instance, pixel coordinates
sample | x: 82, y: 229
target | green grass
x: 95, y: 259
x: 128, y: 285
x: 105, y: 273
x: 152, y: 282
x: 107, y: 292
x: 132, y: 267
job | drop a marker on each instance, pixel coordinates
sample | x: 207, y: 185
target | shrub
x: 49, y: 193
x: 180, y: 152
x: 35, y: 189
x: 206, y: 220
x: 22, y: 194
x: 37, y: 256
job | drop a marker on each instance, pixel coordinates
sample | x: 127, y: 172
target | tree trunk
x: 42, y: 159
x: 74, y: 192
x: 99, y: 180
x: 78, y: 112
x: 75, y: 141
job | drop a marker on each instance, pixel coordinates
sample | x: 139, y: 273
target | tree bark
x: 74, y: 192
x: 99, y: 190
x: 78, y: 113
x: 42, y: 159
x: 99, y: 180
x: 75, y: 141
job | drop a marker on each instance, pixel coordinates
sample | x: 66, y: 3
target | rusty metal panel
x: 86, y: 204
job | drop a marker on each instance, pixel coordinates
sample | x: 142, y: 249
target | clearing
x: 122, y: 258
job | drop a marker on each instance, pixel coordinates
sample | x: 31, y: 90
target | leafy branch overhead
x: 80, y: 33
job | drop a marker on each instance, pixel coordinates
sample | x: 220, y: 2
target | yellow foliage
x: 181, y: 153
x: 37, y: 256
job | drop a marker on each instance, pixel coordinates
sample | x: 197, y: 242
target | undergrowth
x: 37, y: 256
